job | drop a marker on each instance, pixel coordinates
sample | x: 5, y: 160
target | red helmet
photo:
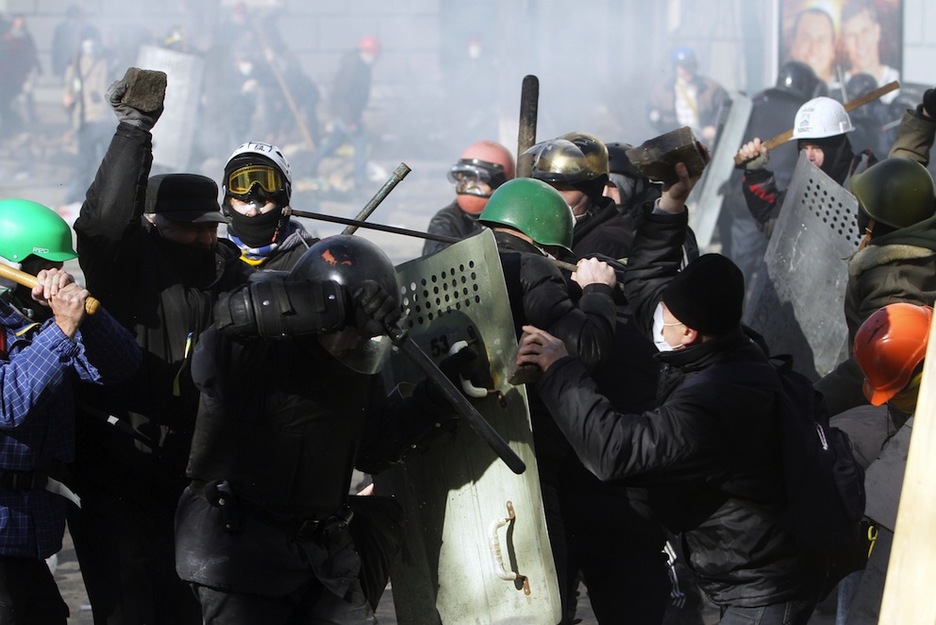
x: 369, y: 44
x: 484, y: 161
x: 889, y: 346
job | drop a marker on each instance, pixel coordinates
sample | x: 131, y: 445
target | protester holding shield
x: 820, y: 128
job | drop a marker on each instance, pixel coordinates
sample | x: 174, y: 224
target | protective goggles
x: 477, y: 171
x: 242, y: 181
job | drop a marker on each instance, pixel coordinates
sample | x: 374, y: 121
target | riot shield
x: 798, y: 305
x: 173, y: 135
x: 705, y: 201
x: 475, y: 547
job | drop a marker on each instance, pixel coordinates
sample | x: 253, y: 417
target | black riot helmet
x: 349, y: 260
x: 799, y: 78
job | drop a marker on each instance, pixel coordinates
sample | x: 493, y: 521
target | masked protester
x: 755, y: 572
x: 482, y: 168
x: 576, y: 165
x: 291, y: 404
x: 257, y: 188
x: 43, y: 358
x: 820, y: 130
x: 149, y: 250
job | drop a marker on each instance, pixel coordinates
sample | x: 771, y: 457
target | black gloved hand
x: 374, y: 308
x: 127, y: 113
x: 929, y: 103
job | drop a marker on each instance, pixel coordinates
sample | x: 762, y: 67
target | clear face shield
x: 359, y: 353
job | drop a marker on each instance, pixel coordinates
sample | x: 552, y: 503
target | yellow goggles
x: 243, y: 180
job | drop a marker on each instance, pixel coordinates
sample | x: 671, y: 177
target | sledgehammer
x: 29, y: 280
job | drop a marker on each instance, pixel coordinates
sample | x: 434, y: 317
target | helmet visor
x: 242, y: 181
x: 359, y: 353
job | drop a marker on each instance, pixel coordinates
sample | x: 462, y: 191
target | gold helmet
x: 594, y: 149
x: 560, y: 161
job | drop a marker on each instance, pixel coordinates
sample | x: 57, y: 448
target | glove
x: 374, y: 308
x: 756, y: 163
x: 929, y: 103
x: 127, y: 113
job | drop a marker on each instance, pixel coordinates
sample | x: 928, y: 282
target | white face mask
x: 658, y: 341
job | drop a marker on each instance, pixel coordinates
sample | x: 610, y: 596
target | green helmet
x: 896, y: 192
x: 30, y: 228
x: 534, y: 208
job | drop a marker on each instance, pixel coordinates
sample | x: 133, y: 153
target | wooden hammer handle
x: 29, y: 280
x: 785, y: 136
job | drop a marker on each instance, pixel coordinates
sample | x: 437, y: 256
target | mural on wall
x: 850, y: 44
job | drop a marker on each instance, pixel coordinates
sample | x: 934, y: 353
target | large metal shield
x: 798, y: 305
x: 475, y: 548
x: 173, y: 135
x: 705, y: 201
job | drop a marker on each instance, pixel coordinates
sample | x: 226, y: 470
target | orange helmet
x: 889, y: 346
x: 369, y: 44
x: 484, y: 161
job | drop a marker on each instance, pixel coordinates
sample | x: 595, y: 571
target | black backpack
x: 823, y: 483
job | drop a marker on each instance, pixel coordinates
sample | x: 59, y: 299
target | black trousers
x: 127, y: 557
x: 313, y: 605
x: 28, y: 594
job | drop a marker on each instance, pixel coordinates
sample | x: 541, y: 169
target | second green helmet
x: 534, y: 208
x: 896, y: 192
x: 28, y: 227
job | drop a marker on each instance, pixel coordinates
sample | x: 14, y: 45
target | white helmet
x: 821, y: 117
x: 256, y: 162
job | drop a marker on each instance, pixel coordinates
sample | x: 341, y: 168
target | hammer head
x: 146, y: 89
x: 656, y: 158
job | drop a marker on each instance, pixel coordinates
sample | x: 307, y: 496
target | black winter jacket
x: 450, y: 221
x: 710, y: 457
x: 708, y: 453
x: 603, y: 231
x: 539, y: 296
x: 151, y: 286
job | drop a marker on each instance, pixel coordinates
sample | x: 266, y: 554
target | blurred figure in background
x: 349, y: 97
x: 687, y: 99
x: 86, y: 81
x: 19, y: 66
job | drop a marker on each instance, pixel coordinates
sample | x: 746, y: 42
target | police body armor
x: 285, y: 438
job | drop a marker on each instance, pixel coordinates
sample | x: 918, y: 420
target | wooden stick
x: 29, y: 280
x: 785, y: 136
x: 908, y: 589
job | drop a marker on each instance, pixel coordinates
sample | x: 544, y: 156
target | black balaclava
x: 837, y: 155
x: 258, y: 230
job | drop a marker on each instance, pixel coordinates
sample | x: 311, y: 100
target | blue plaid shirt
x: 38, y: 370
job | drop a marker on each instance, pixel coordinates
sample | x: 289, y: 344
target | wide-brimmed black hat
x: 189, y: 198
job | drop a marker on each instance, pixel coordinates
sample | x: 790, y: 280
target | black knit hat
x: 707, y: 295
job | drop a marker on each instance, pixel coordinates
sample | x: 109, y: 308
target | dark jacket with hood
x: 708, y: 453
x: 164, y: 292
